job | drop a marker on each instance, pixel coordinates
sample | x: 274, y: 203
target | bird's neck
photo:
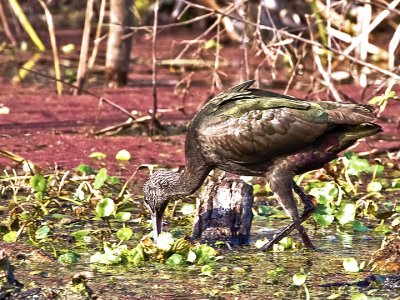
x: 190, y: 179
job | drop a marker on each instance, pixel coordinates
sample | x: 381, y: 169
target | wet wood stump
x: 224, y: 212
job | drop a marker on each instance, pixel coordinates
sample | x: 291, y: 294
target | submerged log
x: 224, y: 212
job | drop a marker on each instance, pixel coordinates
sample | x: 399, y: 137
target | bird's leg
x: 309, y: 205
x: 284, y: 195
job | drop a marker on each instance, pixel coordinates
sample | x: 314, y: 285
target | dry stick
x: 7, y: 30
x: 320, y: 68
x: 172, y: 25
x: 97, y: 38
x: 329, y: 43
x: 347, y: 38
x: 257, y: 33
x: 299, y: 57
x: 357, y: 40
x: 127, y: 182
x: 394, y: 42
x: 183, y: 11
x: 81, y: 73
x: 216, y: 81
x: 208, y: 30
x: 109, y: 102
x: 280, y: 43
x: 53, y: 41
x: 245, y: 41
x: 196, y: 40
x: 381, y: 4
x: 154, y: 66
x: 366, y: 19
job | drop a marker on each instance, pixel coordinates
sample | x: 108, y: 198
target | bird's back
x: 248, y: 126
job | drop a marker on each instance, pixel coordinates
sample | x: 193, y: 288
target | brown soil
x: 53, y: 130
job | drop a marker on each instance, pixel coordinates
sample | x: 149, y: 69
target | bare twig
x: 109, y: 102
x: 216, y: 81
x: 154, y: 65
x: 245, y: 43
x: 394, y: 42
x: 366, y: 13
x: 81, y: 73
x: 97, y: 38
x: 7, y: 30
x: 321, y: 70
x: 329, y: 41
x: 53, y: 41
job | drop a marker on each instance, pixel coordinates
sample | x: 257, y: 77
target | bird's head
x: 159, y: 189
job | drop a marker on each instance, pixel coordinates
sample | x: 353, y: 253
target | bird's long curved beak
x: 156, y: 219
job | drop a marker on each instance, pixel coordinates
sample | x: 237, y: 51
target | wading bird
x: 253, y: 132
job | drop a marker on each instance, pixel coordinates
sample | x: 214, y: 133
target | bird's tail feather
x: 352, y: 114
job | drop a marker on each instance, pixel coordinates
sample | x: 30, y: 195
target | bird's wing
x: 258, y: 135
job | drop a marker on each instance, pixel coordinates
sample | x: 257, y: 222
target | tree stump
x: 224, y: 212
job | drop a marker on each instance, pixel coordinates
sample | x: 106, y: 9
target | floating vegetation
x: 168, y: 250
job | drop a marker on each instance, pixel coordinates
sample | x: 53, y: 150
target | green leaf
x: 85, y: 170
x: 98, y: 155
x: 112, y: 180
x: 80, y: 235
x: 396, y: 184
x: 191, y: 256
x: 287, y: 242
x: 211, y: 43
x: 359, y: 296
x: 135, y: 256
x: 346, y: 213
x: 111, y: 255
x: 323, y: 220
x: 68, y: 48
x: 123, y: 155
x: 204, y: 254
x: 38, y: 183
x: 188, y: 209
x: 383, y: 228
x: 374, y: 186
x: 124, y: 234
x: 105, y: 207
x: 100, y: 178
x: 207, y: 270
x: 356, y: 165
x: 260, y: 243
x: 381, y: 99
x: 10, y: 237
x: 175, y: 260
x: 42, y: 232
x: 325, y: 194
x: 69, y: 258
x: 350, y: 265
x: 123, y: 216
x: 299, y: 279
x: 359, y: 226
x: 257, y: 189
x: 165, y: 241
x: 266, y: 210
x: 396, y: 222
